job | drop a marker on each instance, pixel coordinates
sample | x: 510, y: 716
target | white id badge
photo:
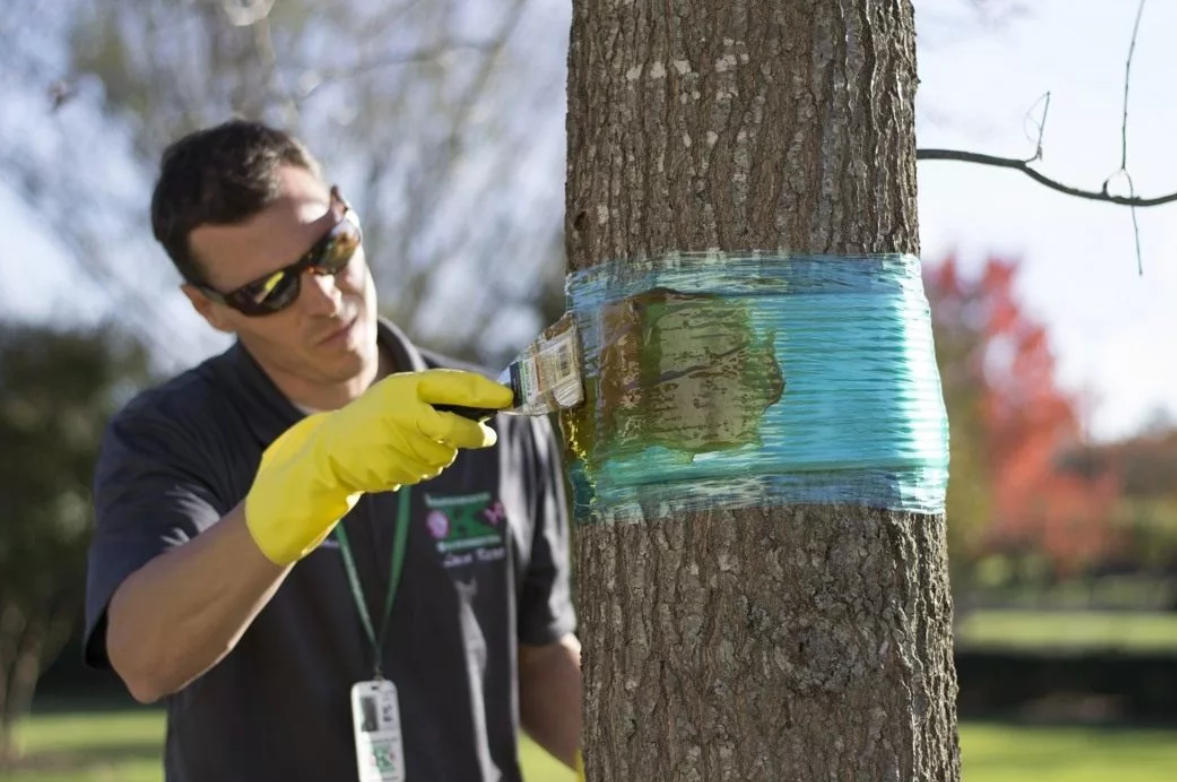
x: 380, y: 752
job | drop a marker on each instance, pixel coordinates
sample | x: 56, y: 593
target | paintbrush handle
x: 473, y: 413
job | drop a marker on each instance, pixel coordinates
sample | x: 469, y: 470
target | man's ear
x: 208, y: 309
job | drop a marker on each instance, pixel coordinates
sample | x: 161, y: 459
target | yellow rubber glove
x: 579, y: 767
x: 313, y: 474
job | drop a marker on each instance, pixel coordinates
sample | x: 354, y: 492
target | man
x: 221, y: 578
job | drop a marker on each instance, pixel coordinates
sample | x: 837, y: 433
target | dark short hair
x: 221, y: 175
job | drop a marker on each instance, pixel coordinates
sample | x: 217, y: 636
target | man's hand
x: 313, y: 474
x: 550, y: 697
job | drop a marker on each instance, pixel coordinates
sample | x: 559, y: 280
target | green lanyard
x: 357, y: 591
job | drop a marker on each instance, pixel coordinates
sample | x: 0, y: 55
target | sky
x: 1113, y: 329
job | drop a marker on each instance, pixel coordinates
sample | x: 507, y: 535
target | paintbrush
x: 544, y: 378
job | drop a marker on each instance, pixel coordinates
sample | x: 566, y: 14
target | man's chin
x: 346, y: 361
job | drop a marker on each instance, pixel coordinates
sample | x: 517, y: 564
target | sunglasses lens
x: 270, y: 294
x: 339, y: 249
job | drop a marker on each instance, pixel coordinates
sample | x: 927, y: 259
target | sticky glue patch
x: 717, y: 381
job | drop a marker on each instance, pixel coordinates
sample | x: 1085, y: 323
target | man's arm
x: 550, y: 696
x: 549, y: 653
x: 172, y: 586
x: 181, y: 613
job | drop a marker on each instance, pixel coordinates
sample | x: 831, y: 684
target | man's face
x: 327, y: 336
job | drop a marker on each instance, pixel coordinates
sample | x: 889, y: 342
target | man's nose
x: 320, y: 295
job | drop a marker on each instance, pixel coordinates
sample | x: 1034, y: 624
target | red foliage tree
x: 1011, y: 424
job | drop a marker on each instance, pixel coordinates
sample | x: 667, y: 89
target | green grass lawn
x: 124, y: 747
x: 1069, y: 629
x: 1003, y: 753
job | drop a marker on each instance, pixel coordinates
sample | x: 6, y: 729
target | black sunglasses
x: 278, y: 290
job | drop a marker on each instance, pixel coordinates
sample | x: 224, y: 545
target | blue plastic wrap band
x: 717, y: 381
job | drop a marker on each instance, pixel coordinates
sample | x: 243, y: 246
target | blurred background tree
x: 57, y: 389
x: 1144, y: 515
x: 401, y: 101
x: 1031, y: 502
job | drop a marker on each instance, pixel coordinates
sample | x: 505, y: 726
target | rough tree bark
x: 804, y: 643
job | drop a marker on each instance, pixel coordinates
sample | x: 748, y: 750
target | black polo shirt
x: 486, y: 567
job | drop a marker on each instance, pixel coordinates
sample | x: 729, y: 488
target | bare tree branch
x: 1131, y: 200
x: 1023, y: 166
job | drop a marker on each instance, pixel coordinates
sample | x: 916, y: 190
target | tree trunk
x: 26, y: 646
x: 22, y: 684
x: 804, y: 643
x: 12, y: 628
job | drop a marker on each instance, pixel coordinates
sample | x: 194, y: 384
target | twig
x: 1124, y: 139
x: 1045, y: 101
x: 1127, y: 74
x: 1024, y: 167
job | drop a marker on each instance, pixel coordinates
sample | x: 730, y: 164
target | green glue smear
x: 684, y: 372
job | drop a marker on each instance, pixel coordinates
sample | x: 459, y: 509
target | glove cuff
x: 295, y: 502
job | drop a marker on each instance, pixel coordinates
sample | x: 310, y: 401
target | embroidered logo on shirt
x: 467, y: 528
